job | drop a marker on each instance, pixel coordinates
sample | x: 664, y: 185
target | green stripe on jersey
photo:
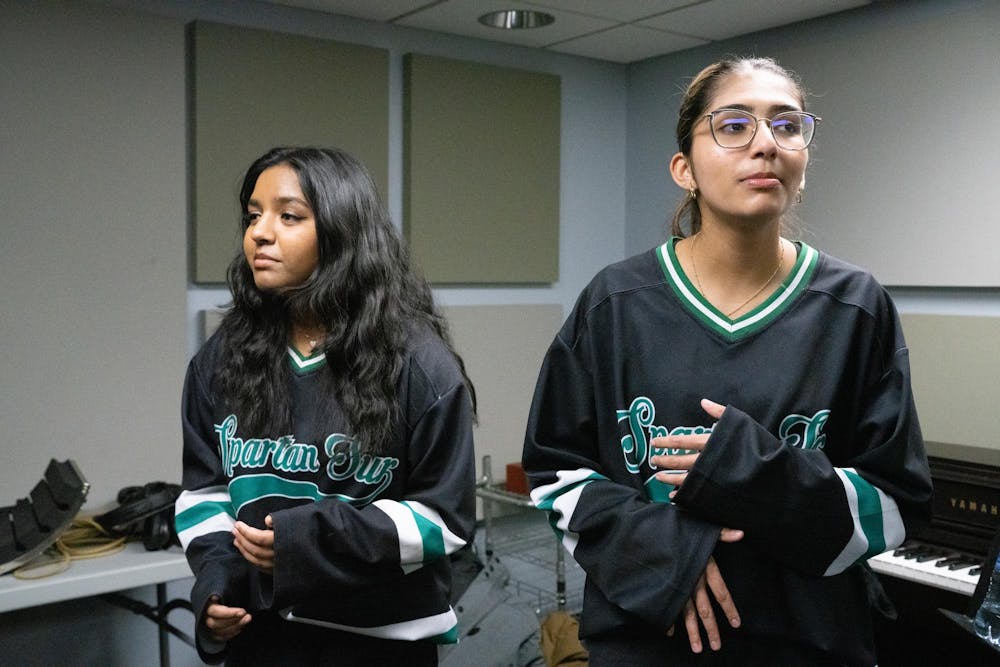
x: 869, y: 513
x: 548, y: 500
x: 450, y: 637
x: 248, y: 488
x: 657, y: 491
x: 430, y: 535
x: 194, y: 515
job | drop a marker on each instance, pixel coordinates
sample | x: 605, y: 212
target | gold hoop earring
x: 693, y: 193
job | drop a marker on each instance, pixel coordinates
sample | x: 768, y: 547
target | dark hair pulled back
x: 694, y: 106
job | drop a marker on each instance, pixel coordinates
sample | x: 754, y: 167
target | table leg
x: 161, y: 601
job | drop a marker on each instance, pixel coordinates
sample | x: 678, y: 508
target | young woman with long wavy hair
x: 328, y: 457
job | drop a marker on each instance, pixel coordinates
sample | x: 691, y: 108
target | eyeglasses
x: 735, y: 128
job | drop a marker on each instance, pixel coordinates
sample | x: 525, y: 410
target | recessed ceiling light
x: 516, y: 19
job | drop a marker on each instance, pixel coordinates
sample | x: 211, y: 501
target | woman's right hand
x: 698, y: 608
x: 224, y: 622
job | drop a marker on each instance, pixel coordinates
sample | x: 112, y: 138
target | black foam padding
x: 66, y: 486
x: 47, y: 512
x: 26, y: 533
x: 7, y: 549
x: 34, y: 524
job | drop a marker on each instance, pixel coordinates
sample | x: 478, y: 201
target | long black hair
x: 363, y: 291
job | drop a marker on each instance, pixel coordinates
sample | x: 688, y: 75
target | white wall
x: 902, y: 171
x: 92, y: 282
x: 93, y: 255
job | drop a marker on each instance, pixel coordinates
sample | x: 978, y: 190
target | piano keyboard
x: 930, y: 565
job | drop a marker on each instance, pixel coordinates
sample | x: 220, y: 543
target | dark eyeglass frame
x: 711, y: 126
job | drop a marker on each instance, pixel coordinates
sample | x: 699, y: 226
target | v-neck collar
x: 302, y: 365
x: 750, y: 322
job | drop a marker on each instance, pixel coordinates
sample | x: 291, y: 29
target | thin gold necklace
x: 694, y: 267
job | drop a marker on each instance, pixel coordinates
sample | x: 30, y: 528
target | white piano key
x: 957, y: 581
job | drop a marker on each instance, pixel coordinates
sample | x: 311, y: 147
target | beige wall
x: 955, y: 361
x: 93, y: 251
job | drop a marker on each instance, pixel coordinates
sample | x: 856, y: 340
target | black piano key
x: 960, y: 565
x: 948, y: 560
x: 921, y: 554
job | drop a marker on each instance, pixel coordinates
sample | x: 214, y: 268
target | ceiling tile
x: 373, y: 10
x: 584, y: 27
x: 722, y: 19
x: 620, y: 12
x: 461, y: 17
x: 627, y: 43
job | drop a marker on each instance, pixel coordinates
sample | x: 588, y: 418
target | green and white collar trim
x: 752, y: 321
x: 303, y: 365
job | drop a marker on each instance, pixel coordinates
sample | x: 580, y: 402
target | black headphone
x: 144, y: 511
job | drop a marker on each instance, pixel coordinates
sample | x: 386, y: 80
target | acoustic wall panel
x: 256, y: 89
x: 481, y: 171
x: 955, y: 360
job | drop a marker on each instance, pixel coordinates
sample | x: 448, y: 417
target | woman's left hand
x: 698, y: 610
x: 677, y: 465
x: 257, y: 546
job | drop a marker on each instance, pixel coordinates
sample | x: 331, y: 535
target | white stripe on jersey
x: 302, y: 363
x: 873, y: 532
x: 419, y: 628
x: 560, y: 499
x: 422, y: 533
x: 201, y: 512
x: 563, y: 507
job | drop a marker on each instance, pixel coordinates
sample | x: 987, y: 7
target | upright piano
x: 941, y: 565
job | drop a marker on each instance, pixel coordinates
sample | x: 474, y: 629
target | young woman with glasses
x: 328, y: 457
x: 723, y: 430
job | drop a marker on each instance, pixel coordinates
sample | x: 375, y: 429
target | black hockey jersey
x: 818, y: 456
x: 361, y: 540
